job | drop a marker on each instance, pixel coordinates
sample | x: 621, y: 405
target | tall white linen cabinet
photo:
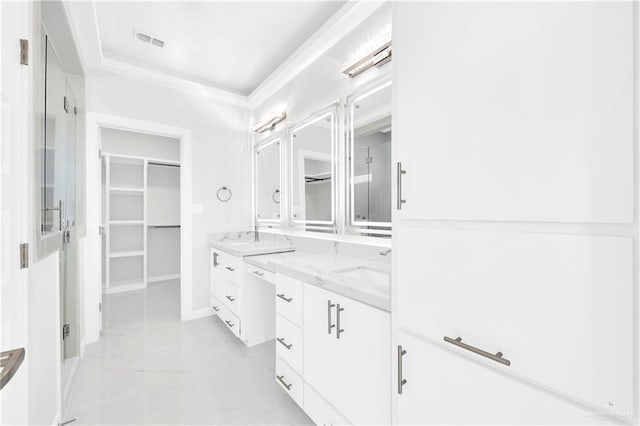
x: 515, y: 220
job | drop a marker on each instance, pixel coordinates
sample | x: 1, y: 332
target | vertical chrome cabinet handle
x: 399, y: 185
x: 338, y: 329
x: 215, y: 259
x: 401, y: 380
x: 281, y: 380
x: 329, y: 325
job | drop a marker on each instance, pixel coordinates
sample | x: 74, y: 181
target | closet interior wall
x: 141, y: 208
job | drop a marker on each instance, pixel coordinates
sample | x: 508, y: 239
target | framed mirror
x: 369, y: 159
x: 267, y: 163
x: 313, y: 170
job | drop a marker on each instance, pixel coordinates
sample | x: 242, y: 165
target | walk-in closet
x: 141, y: 209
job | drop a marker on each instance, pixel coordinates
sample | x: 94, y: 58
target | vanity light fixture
x: 375, y: 58
x: 269, y: 125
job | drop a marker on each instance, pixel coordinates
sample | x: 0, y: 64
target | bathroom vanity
x: 329, y: 315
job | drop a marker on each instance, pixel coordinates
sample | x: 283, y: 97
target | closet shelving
x: 142, y: 220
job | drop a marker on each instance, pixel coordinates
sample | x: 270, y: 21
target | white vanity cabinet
x: 242, y: 301
x: 346, y: 355
x: 217, y: 280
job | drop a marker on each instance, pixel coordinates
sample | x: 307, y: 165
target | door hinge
x: 24, y: 52
x: 368, y: 160
x: 66, y: 236
x: 66, y: 329
x: 24, y: 255
x: 101, y: 230
x: 66, y: 104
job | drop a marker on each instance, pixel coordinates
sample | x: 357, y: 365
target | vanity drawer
x: 289, y: 298
x: 289, y: 343
x: 289, y: 380
x: 261, y: 273
x: 216, y: 304
x: 232, y: 296
x: 233, y: 268
x: 231, y: 321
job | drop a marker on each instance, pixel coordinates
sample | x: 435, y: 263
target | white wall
x: 220, y: 150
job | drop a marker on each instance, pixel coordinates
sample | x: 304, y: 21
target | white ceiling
x: 232, y: 46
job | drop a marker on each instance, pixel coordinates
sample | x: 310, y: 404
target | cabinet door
x: 320, y: 363
x: 560, y: 307
x: 364, y: 364
x: 217, y: 274
x: 496, y: 119
x: 446, y: 388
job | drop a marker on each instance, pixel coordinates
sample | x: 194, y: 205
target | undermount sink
x: 376, y: 280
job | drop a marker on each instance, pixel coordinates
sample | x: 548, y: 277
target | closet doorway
x: 144, y: 211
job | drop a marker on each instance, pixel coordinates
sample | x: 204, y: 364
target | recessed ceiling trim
x: 84, y: 23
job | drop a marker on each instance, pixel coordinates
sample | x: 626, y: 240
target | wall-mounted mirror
x: 267, y: 184
x: 369, y: 134
x: 312, y: 165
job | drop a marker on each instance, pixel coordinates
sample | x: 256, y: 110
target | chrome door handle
x: 401, y: 380
x: 399, y: 185
x: 497, y: 357
x: 229, y: 323
x: 215, y: 308
x: 280, y: 379
x: 329, y: 325
x: 231, y: 299
x: 338, y: 329
x: 229, y: 268
x: 282, y: 296
x: 258, y: 273
x: 282, y: 342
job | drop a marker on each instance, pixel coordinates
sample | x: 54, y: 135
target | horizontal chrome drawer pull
x: 258, y: 273
x: 229, y: 268
x: 215, y: 308
x: 229, y: 323
x: 231, y: 299
x: 497, y: 357
x: 280, y: 379
x: 282, y: 296
x: 282, y: 342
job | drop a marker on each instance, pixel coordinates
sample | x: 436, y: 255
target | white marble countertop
x: 246, y: 247
x: 362, y: 280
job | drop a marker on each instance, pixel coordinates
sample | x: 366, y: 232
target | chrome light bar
x: 377, y: 57
x: 269, y: 125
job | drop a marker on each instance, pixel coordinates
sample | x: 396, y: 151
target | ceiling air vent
x: 148, y: 39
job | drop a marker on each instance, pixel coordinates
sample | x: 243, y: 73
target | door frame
x: 93, y: 285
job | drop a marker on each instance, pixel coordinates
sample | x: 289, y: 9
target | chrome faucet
x: 385, y: 252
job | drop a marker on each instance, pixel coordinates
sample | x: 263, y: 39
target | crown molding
x: 345, y: 20
x: 84, y: 26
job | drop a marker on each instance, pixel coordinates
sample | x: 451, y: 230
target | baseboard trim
x: 199, y: 313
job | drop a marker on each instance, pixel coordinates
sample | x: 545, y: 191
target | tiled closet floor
x: 151, y: 368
